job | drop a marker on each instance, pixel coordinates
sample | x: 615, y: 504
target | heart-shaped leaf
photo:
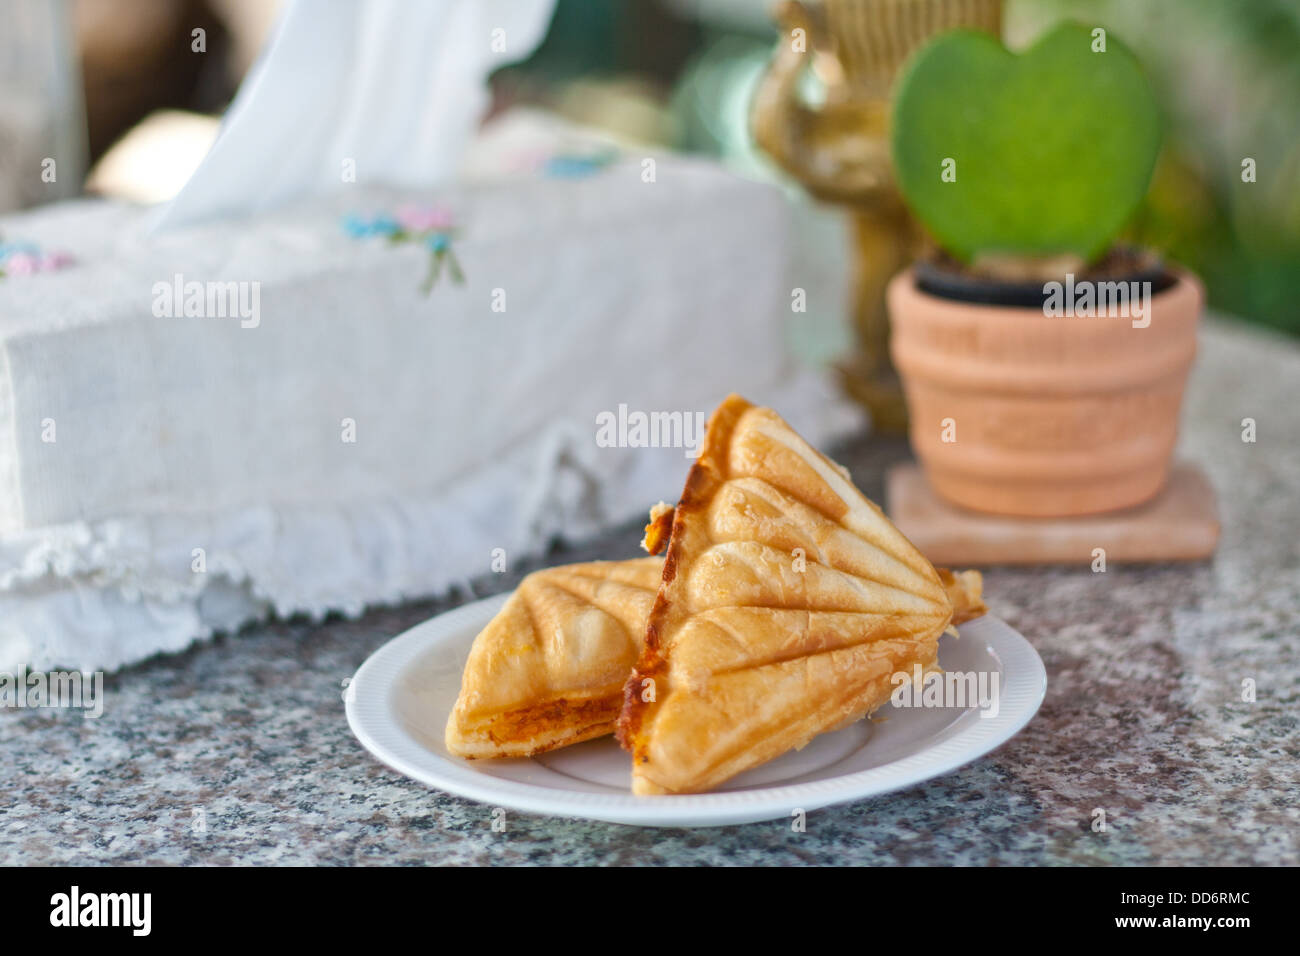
x: 1041, y: 153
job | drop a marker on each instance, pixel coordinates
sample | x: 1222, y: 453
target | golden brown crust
x: 701, y: 481
x: 659, y: 528
x: 788, y: 601
x: 965, y: 590
x: 548, y: 669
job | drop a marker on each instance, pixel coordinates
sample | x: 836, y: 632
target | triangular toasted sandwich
x: 788, y: 603
x: 548, y: 670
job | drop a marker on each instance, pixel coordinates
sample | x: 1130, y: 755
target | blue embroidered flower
x: 431, y: 226
x: 385, y: 226
x: 26, y: 258
x: 358, y: 227
x: 355, y: 226
x: 8, y: 249
x: 577, y: 166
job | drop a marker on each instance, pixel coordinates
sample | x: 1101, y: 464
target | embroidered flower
x: 22, y: 264
x: 359, y: 227
x: 425, y: 218
x: 432, y: 226
x: 577, y: 165
x: 386, y: 226
x: 26, y: 258
x: 53, y: 261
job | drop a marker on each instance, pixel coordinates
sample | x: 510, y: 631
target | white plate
x: 398, y: 703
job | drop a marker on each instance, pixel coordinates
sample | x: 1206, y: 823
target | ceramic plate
x: 398, y: 702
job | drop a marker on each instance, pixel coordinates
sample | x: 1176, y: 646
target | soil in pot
x: 1018, y: 282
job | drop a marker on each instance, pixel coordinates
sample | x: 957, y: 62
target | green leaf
x: 1051, y: 149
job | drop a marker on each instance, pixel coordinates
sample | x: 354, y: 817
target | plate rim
x: 369, y: 693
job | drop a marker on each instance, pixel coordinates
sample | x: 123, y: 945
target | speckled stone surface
x: 1144, y: 717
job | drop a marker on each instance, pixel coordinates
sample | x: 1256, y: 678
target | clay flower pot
x: 1021, y: 413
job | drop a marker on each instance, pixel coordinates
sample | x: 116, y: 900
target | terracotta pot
x: 1045, y: 415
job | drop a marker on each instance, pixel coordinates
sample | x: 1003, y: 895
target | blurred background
x: 682, y: 74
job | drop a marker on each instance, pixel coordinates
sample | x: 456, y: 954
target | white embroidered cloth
x: 475, y: 429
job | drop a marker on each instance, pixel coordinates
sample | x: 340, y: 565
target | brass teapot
x: 839, y: 149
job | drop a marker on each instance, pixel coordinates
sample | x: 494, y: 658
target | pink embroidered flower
x: 432, y: 226
x: 53, y: 261
x: 22, y: 264
x: 425, y: 218
x: 530, y: 160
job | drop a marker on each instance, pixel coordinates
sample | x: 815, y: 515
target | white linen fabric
x: 104, y: 594
x: 194, y: 442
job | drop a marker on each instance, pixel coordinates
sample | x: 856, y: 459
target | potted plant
x: 1043, y: 362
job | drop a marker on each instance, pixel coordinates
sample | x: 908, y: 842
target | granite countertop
x: 1144, y: 716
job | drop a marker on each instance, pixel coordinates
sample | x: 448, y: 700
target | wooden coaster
x: 1181, y: 524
